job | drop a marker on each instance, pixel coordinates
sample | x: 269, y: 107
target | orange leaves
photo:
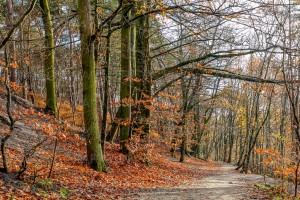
x: 72, y: 172
x: 127, y: 101
x: 114, y: 104
x: 123, y: 122
x: 76, y: 136
x: 166, y: 95
x: 14, y: 65
x: 132, y: 79
x: 6, y: 133
x: 47, y: 128
x: 266, y: 151
x: 29, y: 112
x: 2, y: 63
x: 27, y: 61
x: 282, y: 166
x: 13, y: 86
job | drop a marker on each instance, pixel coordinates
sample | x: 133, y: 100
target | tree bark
x: 10, y: 25
x: 143, y: 71
x: 94, y: 152
x: 125, y: 89
x: 51, y: 104
x: 106, y: 93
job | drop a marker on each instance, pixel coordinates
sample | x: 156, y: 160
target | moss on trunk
x: 94, y: 152
x: 51, y: 105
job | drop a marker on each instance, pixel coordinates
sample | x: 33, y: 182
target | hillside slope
x: 71, y: 177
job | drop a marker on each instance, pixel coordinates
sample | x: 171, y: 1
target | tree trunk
x: 94, y: 152
x: 10, y: 24
x: 51, y: 105
x: 143, y: 72
x: 125, y: 89
x: 106, y: 94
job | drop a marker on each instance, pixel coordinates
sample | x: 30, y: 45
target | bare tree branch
x: 11, y: 32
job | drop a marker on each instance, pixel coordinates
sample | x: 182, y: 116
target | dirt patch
x: 221, y: 182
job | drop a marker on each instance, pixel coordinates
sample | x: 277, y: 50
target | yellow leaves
x: 142, y: 9
x: 99, y: 10
x: 278, y: 136
x: 209, y: 71
x: 226, y: 104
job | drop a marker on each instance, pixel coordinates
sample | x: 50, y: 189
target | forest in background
x: 216, y: 80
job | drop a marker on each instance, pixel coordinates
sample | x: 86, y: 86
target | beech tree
x: 51, y: 104
x: 125, y: 87
x: 94, y: 151
x: 216, y: 79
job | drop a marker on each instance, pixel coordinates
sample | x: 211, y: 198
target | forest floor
x: 72, y: 178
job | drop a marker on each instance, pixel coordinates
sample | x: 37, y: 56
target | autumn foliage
x: 72, y: 176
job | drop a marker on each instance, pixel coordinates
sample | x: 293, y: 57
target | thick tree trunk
x: 143, y: 72
x: 51, y: 105
x: 94, y: 152
x: 125, y: 89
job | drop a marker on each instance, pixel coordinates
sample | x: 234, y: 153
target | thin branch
x: 11, y: 32
x: 219, y: 54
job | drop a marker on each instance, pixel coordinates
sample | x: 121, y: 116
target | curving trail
x: 221, y: 183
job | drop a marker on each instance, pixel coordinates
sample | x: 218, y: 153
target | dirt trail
x: 222, y: 183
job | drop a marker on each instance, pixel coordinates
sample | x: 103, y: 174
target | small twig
x: 4, y: 120
x: 53, y: 159
x: 27, y: 154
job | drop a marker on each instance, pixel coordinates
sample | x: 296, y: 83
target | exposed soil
x: 221, y: 182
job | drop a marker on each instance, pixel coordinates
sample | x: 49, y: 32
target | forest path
x: 221, y: 183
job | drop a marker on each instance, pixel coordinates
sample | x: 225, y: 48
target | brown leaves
x: 72, y: 172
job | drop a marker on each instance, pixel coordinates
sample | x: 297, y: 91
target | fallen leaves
x: 72, y: 176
